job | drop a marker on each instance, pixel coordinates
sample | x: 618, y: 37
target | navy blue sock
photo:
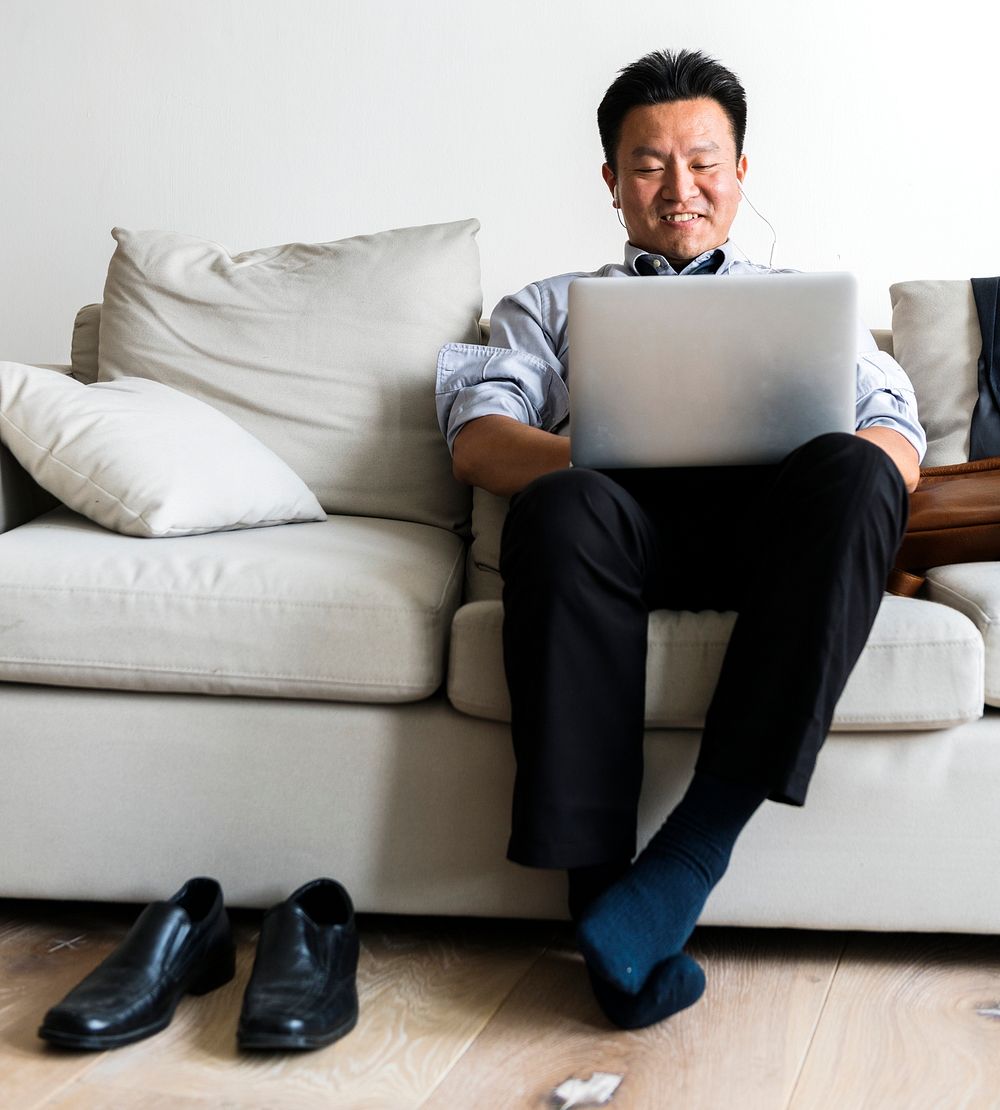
x: 649, y: 914
x: 588, y: 883
x: 673, y: 985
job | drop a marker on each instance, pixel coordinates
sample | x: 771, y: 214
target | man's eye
x: 711, y: 166
x: 649, y: 169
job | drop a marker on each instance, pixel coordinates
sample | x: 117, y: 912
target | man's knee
x: 846, y: 456
x: 842, y: 473
x: 844, y: 449
x: 559, y: 511
x: 555, y: 501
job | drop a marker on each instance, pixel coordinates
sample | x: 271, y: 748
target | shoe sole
x: 82, y: 1040
x: 280, y: 1041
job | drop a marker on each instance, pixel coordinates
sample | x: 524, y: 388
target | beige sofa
x: 274, y: 704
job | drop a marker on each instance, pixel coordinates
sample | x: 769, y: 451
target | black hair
x: 661, y: 77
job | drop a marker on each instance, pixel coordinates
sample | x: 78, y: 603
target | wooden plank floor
x: 459, y: 1014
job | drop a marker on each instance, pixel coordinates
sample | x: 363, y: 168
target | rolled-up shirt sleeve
x: 519, y: 375
x: 885, y: 398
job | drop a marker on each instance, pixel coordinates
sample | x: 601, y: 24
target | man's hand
x: 899, y: 449
x: 502, y: 455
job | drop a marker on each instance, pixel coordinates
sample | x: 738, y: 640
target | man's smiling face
x: 677, y: 160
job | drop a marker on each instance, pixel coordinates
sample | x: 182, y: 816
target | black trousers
x: 801, y: 550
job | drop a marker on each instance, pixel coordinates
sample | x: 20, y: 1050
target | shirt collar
x: 648, y: 264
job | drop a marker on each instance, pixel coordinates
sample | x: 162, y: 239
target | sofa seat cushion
x: 922, y: 667
x: 348, y: 609
x: 974, y: 589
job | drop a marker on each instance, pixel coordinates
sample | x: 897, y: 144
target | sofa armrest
x: 21, y: 499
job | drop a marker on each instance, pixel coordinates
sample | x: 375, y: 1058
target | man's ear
x: 609, y: 178
x: 741, y: 168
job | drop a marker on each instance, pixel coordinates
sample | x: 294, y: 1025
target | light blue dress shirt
x: 522, y: 373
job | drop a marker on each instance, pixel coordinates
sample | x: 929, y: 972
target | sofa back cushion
x: 483, y: 581
x: 937, y: 340
x: 326, y: 352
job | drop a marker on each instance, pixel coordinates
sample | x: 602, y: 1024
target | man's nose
x: 678, y: 183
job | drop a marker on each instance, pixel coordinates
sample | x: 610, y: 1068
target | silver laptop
x: 709, y: 371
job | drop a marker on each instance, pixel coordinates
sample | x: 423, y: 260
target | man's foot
x: 649, y: 914
x: 672, y: 986
x: 586, y: 884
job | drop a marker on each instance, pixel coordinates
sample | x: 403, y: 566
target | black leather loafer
x: 302, y: 991
x: 181, y: 946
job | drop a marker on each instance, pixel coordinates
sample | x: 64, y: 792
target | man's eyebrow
x: 652, y: 152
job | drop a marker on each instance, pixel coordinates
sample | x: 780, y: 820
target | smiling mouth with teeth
x: 682, y: 218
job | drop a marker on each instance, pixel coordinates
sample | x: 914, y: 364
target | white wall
x: 871, y: 139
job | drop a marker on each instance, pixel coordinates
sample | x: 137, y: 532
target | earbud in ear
x: 617, y: 205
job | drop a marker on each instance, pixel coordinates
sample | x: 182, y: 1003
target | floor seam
x: 819, y: 1017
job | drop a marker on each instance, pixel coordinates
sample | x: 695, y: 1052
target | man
x: 800, y: 550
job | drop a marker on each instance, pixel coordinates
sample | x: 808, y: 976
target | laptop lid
x: 709, y: 371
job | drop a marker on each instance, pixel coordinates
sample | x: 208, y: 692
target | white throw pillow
x: 141, y: 458
x: 326, y: 352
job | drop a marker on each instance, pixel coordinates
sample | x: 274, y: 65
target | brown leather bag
x: 954, y: 518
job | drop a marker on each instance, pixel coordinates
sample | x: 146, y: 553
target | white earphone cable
x: 774, y: 234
